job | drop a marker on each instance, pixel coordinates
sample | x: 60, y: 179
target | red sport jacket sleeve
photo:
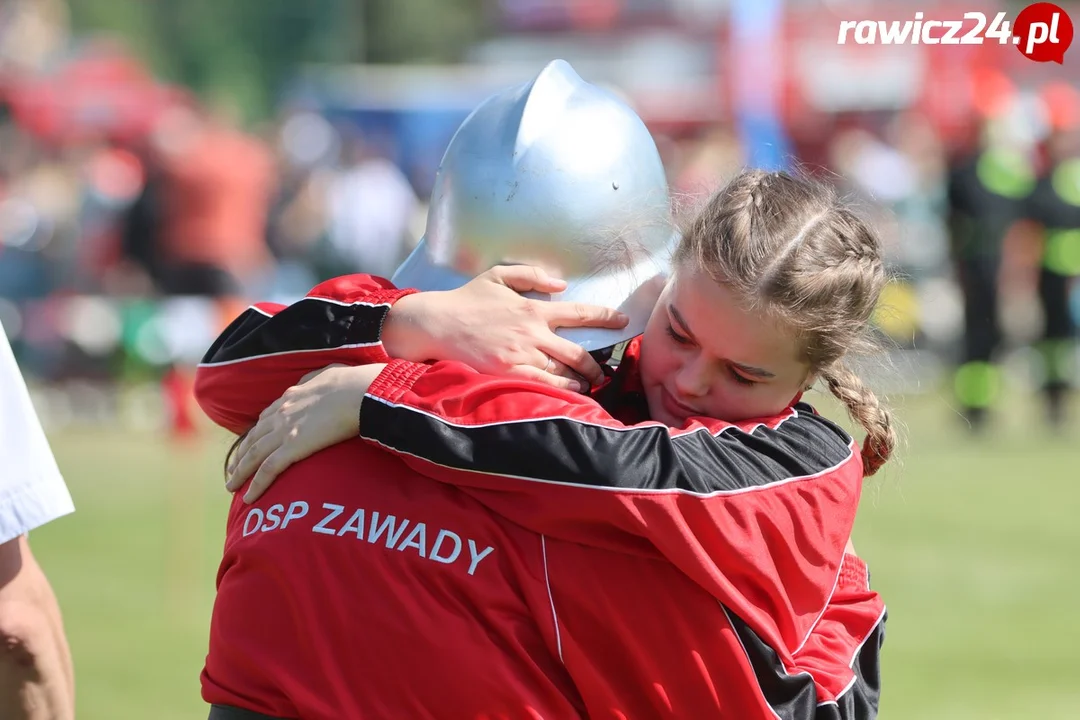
x: 270, y: 347
x: 757, y: 514
x: 843, y: 652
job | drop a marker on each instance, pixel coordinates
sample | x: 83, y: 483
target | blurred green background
x: 968, y: 540
x: 243, y: 51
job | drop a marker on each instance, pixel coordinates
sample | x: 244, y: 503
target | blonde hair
x: 788, y: 246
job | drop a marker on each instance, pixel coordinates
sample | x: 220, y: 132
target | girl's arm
x: 270, y: 347
x: 362, y: 319
x: 843, y: 652
x: 756, y: 513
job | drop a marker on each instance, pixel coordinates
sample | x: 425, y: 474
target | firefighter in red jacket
x: 631, y: 583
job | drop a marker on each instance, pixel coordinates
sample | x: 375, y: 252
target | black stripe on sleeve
x: 862, y: 701
x: 794, y: 697
x: 309, y: 324
x: 642, y: 458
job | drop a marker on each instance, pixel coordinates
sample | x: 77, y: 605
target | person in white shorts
x: 36, y: 675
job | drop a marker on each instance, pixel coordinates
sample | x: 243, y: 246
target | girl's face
x: 701, y: 354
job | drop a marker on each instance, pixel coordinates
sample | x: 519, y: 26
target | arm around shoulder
x: 758, y: 514
x: 270, y: 347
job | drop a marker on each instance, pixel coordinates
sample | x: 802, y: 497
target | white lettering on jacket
x: 373, y: 527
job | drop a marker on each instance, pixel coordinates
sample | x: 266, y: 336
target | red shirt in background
x: 216, y: 195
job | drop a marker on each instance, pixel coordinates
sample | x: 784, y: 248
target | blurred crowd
x: 128, y: 240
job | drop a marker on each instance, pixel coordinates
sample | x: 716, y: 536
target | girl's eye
x: 741, y: 379
x: 682, y: 340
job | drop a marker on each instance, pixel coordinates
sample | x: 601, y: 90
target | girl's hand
x: 489, y: 326
x: 321, y: 411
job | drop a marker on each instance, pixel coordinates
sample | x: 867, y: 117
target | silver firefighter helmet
x: 558, y: 173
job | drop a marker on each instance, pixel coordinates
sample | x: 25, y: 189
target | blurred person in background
x: 298, y: 229
x: 1054, y: 207
x: 370, y: 206
x: 987, y: 191
x: 921, y: 209
x: 37, y: 681
x: 139, y: 231
x: 40, y: 203
x: 216, y: 187
x: 114, y: 180
x: 899, y: 173
x: 203, y: 223
x: 24, y: 272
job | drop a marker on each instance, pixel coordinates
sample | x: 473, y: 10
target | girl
x: 773, y: 283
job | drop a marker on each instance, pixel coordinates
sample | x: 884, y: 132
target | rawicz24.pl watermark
x: 1042, y: 31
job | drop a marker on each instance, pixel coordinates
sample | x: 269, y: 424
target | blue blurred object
x: 754, y: 59
x: 418, y: 136
x: 765, y: 140
x: 24, y: 275
x: 406, y: 114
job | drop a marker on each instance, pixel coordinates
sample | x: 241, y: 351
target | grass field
x: 973, y: 543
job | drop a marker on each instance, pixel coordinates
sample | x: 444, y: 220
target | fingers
x: 571, y: 314
x: 528, y: 372
x: 239, y: 468
x: 316, y: 373
x: 259, y: 443
x: 254, y: 447
x: 274, y: 407
x: 275, y: 464
x: 574, y: 358
x: 267, y: 457
x: 526, y: 278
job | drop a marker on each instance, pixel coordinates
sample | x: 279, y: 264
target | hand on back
x: 485, y: 324
x: 488, y: 325
x: 322, y: 410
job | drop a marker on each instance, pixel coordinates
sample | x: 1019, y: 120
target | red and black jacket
x: 754, y: 515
